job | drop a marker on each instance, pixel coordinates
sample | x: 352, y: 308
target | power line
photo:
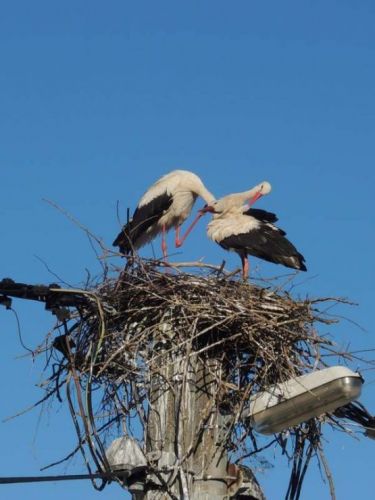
x: 68, y: 477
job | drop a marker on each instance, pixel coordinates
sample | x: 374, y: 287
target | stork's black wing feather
x: 261, y: 215
x: 267, y: 243
x: 143, y: 218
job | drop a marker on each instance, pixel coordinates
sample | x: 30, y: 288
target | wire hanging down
x: 143, y: 338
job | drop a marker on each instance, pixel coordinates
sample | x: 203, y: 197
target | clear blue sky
x: 98, y: 99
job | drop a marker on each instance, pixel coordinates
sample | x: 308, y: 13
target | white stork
x: 250, y: 231
x: 244, y: 199
x: 166, y: 204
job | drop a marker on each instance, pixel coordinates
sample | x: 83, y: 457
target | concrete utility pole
x: 184, y: 435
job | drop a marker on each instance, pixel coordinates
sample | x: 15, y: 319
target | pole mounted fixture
x: 298, y: 399
x: 203, y: 364
x: 126, y: 459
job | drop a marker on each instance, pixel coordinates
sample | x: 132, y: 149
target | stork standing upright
x: 250, y: 231
x: 166, y: 204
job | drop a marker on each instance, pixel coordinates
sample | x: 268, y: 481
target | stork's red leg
x: 177, y: 240
x: 163, y: 242
x: 245, y: 267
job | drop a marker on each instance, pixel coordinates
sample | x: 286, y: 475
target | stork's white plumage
x: 243, y: 199
x: 166, y: 204
x: 249, y: 231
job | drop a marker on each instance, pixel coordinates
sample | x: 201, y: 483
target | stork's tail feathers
x: 296, y: 261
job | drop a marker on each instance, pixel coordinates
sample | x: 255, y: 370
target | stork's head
x: 260, y: 190
x: 255, y: 193
x: 233, y: 202
x: 208, y: 208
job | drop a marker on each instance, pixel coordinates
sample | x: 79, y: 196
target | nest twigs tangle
x: 148, y: 325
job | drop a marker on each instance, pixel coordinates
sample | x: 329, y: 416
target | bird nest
x: 147, y: 326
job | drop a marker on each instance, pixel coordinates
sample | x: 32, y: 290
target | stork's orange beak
x: 195, y: 221
x: 255, y: 198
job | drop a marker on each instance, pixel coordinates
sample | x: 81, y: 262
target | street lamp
x: 289, y: 403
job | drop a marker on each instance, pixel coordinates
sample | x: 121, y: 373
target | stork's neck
x: 247, y: 195
x: 205, y: 194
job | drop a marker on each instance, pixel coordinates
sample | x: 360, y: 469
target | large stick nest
x: 262, y: 333
x: 135, y: 324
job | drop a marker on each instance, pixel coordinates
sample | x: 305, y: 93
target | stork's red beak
x: 201, y: 212
x: 255, y: 198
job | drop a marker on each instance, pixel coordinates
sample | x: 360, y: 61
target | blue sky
x: 97, y: 100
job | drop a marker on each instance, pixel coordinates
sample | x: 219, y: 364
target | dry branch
x: 129, y: 328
